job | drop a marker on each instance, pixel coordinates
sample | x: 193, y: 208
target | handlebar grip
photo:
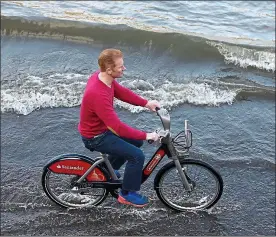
x: 150, y: 141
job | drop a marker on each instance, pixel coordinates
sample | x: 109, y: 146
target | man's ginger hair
x: 107, y: 57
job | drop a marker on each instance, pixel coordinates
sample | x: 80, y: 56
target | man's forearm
x: 126, y: 95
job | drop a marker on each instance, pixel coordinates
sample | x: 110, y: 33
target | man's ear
x: 109, y: 71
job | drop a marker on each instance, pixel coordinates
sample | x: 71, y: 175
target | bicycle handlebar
x: 150, y: 141
x: 156, y: 109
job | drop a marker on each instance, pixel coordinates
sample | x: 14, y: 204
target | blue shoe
x: 117, y: 174
x: 133, y: 198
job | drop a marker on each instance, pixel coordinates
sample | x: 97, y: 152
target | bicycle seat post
x: 109, y: 166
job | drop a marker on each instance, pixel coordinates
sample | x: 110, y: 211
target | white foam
x: 246, y: 57
x: 173, y: 94
x: 66, y: 90
x: 57, y: 90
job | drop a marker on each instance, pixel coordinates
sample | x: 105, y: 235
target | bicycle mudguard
x: 75, y: 164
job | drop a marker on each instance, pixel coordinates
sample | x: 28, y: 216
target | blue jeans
x: 121, y: 150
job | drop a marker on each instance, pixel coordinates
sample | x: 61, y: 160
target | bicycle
x: 176, y: 184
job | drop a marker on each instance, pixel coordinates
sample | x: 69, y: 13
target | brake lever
x: 160, y: 139
x: 158, y: 131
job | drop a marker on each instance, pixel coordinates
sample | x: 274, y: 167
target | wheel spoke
x: 59, y: 188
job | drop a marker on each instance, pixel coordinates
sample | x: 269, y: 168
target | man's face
x: 118, y: 70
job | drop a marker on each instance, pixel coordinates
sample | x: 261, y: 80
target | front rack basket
x: 182, y: 142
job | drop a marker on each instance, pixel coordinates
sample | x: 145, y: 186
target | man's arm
x: 126, y: 95
x: 106, y: 113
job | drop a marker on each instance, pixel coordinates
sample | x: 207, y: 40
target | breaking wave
x: 54, y: 91
x: 180, y: 45
x: 245, y: 57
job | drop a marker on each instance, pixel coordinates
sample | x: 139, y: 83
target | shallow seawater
x: 246, y: 165
x: 226, y: 89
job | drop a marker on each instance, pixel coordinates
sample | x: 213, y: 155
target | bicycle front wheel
x: 206, y: 183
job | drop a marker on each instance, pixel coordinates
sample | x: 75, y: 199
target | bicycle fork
x: 182, y: 174
x: 174, y: 157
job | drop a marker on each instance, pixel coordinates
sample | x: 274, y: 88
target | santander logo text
x: 68, y: 167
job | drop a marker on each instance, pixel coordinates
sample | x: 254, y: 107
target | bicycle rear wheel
x: 59, y: 188
x: 206, y: 182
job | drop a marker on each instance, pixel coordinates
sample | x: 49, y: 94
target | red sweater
x: 97, y: 113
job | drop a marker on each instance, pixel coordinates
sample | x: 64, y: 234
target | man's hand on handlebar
x: 153, y: 136
x: 152, y: 104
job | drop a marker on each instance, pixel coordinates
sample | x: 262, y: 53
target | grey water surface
x: 216, y: 70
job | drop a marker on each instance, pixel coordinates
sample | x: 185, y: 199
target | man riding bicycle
x: 102, y: 130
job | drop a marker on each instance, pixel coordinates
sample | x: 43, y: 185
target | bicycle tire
x: 161, y: 175
x: 56, y: 199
